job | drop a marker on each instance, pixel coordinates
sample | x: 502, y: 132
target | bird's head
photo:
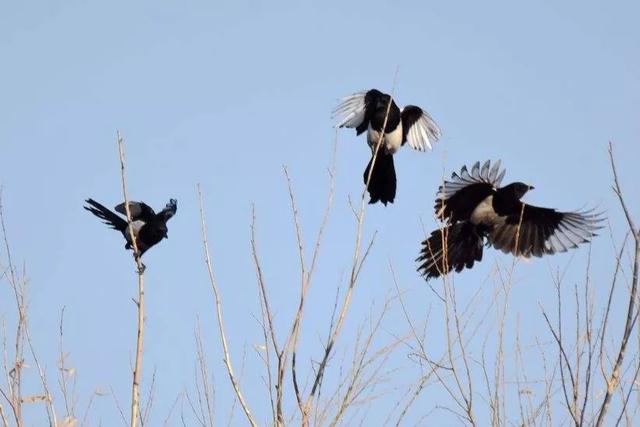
x: 382, y: 103
x: 518, y: 189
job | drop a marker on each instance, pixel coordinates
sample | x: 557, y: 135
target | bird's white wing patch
x: 350, y: 112
x: 574, y: 228
x: 423, y: 133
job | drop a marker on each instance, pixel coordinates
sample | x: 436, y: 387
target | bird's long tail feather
x: 109, y: 217
x: 463, y: 247
x: 382, y: 186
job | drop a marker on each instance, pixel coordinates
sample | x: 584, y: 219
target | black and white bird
x: 366, y: 111
x: 475, y: 209
x: 149, y: 227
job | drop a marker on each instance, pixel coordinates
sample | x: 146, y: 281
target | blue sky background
x: 224, y: 94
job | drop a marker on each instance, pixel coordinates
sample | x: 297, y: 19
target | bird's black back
x: 153, y: 231
x: 376, y: 105
x: 138, y: 210
x: 461, y: 205
x: 458, y: 197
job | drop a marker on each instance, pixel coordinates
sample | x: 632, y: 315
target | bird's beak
x: 531, y: 187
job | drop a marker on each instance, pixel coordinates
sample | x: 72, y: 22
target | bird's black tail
x: 464, y: 247
x: 109, y: 218
x: 382, y: 186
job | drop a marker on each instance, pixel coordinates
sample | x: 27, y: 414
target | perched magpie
x: 366, y: 111
x: 148, y: 227
x: 474, y: 207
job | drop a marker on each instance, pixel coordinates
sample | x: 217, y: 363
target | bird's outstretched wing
x: 169, y: 209
x: 459, y: 196
x: 139, y: 211
x: 418, y: 128
x: 355, y: 110
x: 537, y: 231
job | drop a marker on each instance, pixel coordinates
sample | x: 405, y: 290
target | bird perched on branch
x: 372, y: 111
x: 475, y: 209
x: 148, y: 227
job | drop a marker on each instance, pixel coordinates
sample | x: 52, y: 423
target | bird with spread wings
x: 148, y: 226
x: 372, y: 111
x: 476, y: 211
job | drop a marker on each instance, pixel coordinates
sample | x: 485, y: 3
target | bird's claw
x: 141, y: 268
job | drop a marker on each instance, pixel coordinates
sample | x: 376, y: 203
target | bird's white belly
x: 484, y: 213
x: 136, y: 225
x: 392, y: 140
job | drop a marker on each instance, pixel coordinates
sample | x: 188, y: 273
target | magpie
x: 149, y: 227
x: 366, y: 111
x: 474, y: 209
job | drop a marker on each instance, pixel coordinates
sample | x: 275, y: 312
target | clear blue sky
x: 226, y: 93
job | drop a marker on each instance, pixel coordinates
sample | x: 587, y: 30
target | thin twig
x: 614, y: 379
x: 64, y: 371
x: 13, y: 396
x: 307, y: 275
x: 218, y: 302
x: 48, y: 398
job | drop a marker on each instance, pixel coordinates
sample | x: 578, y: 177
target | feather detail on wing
x: 419, y: 129
x: 485, y: 175
x: 460, y: 195
x: 544, y: 231
x: 351, y: 111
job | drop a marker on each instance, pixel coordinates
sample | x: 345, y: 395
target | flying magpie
x: 148, y: 227
x: 366, y: 111
x: 474, y: 207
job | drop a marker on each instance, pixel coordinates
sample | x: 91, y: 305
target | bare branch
x: 137, y: 370
x: 613, y: 379
x: 218, y: 302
